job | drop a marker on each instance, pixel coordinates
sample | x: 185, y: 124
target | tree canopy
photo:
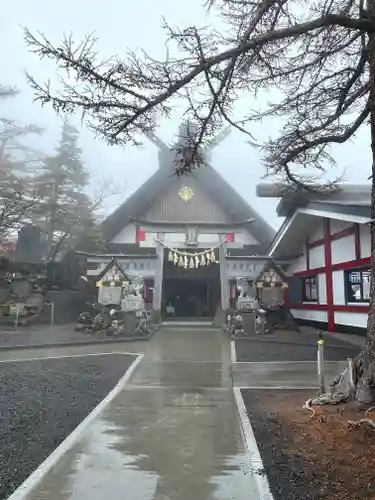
x: 50, y: 191
x: 60, y: 183
x: 316, y: 53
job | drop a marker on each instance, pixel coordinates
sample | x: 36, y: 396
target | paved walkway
x: 172, y: 433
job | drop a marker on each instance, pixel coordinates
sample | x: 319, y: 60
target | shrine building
x: 189, y: 238
x: 326, y: 240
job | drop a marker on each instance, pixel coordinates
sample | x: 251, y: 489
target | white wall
x: 343, y: 249
x: 339, y: 225
x: 341, y: 318
x: 351, y: 319
x: 338, y: 286
x: 316, y: 230
x: 298, y: 264
x: 322, y: 289
x: 316, y: 254
x: 310, y: 315
x: 174, y: 237
x: 317, y: 257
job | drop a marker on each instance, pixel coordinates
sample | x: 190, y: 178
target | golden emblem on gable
x: 186, y: 193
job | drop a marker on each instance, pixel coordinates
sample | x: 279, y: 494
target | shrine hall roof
x: 214, y: 185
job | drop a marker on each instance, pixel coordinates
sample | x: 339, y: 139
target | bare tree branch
x: 316, y: 56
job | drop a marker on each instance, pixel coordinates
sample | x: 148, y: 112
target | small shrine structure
x: 271, y: 284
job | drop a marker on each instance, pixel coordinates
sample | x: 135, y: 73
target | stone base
x: 155, y: 317
x: 219, y: 318
x: 129, y: 323
x: 249, y: 322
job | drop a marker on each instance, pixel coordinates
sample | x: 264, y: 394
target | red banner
x: 139, y: 235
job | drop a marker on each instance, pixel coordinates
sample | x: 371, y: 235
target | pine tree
x: 93, y: 240
x: 61, y: 184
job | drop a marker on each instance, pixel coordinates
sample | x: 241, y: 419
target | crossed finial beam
x: 156, y: 140
x: 219, y: 138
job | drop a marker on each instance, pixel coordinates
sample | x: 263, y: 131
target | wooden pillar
x: 328, y: 270
x: 223, y: 276
x: 158, y: 283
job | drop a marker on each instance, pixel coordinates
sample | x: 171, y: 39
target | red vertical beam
x: 147, y: 290
x: 307, y: 251
x: 285, y: 297
x: 357, y: 242
x: 328, y: 266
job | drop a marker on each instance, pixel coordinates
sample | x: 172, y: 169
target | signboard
x: 244, y: 268
x: 246, y: 303
x: 132, y: 303
x: 109, y: 295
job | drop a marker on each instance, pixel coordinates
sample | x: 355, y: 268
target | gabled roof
x: 212, y: 182
x: 271, y: 266
x: 350, y: 196
x: 112, y: 263
x: 349, y: 203
x: 296, y: 227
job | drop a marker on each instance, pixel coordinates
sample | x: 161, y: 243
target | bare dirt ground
x: 317, y: 457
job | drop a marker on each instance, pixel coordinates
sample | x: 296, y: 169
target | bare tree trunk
x: 366, y: 385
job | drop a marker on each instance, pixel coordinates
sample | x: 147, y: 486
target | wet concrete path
x: 172, y: 433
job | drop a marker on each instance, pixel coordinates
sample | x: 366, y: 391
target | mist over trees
x: 50, y: 191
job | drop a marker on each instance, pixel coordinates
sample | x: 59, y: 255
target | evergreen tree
x: 61, y: 183
x: 93, y: 240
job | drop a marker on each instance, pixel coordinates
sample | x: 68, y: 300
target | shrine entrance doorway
x: 190, y: 293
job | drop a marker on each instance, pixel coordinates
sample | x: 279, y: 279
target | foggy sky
x: 122, y: 25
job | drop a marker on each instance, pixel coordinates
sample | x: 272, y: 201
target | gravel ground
x: 284, y: 472
x: 305, y: 336
x: 262, y: 350
x: 45, y: 335
x: 305, y: 458
x: 42, y: 402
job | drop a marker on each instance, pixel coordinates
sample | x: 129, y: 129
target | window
x: 310, y: 289
x: 357, y: 285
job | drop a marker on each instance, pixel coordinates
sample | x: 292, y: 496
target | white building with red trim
x: 326, y: 238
